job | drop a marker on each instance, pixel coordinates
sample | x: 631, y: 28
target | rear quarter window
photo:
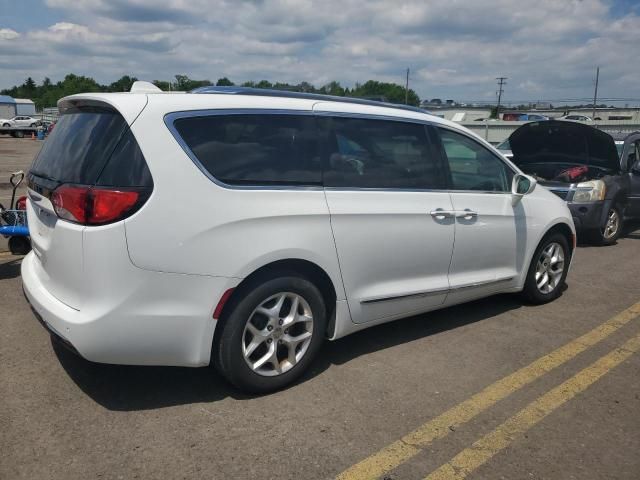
x: 255, y: 149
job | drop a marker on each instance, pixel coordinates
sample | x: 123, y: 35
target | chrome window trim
x: 439, y: 291
x: 418, y: 190
x: 171, y: 117
x: 373, y: 116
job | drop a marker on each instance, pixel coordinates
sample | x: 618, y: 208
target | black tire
x: 227, y: 350
x: 531, y: 290
x: 19, y: 245
x: 6, y: 125
x: 32, y: 125
x: 18, y: 134
x: 605, y: 235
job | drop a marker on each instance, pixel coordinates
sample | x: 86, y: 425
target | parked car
x: 576, y: 118
x: 19, y: 121
x: 581, y: 165
x: 243, y: 226
x: 523, y: 117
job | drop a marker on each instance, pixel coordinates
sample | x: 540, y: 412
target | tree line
x: 48, y: 93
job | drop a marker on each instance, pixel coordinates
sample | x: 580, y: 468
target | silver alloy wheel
x: 277, y: 334
x: 550, y: 267
x: 613, y: 224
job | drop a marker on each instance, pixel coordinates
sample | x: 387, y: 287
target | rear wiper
x: 42, y: 175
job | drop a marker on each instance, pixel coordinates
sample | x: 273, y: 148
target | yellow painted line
x: 481, y: 451
x: 411, y: 444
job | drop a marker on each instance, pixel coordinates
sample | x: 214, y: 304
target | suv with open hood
x: 581, y: 165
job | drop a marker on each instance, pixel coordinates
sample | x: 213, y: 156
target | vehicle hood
x: 562, y: 151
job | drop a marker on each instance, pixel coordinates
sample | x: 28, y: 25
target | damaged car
x: 581, y: 165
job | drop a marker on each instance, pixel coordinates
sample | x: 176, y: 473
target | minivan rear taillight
x: 90, y: 205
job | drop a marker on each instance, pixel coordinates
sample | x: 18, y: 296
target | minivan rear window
x: 249, y: 149
x: 82, y: 143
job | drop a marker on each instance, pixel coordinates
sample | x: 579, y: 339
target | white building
x: 24, y: 106
x: 10, y: 107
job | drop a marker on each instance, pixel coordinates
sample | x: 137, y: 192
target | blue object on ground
x: 13, y: 231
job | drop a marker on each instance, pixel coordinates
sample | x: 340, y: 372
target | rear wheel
x: 271, y: 334
x: 548, y: 269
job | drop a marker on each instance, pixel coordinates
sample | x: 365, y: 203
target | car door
x: 490, y: 230
x: 632, y: 164
x: 390, y: 215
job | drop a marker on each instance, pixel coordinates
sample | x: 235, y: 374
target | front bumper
x: 158, y: 319
x: 587, y: 216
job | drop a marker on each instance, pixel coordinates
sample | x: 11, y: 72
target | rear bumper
x: 156, y: 319
x: 61, y: 340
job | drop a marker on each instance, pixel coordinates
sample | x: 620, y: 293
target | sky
x: 548, y: 49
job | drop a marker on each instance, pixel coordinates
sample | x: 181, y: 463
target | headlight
x: 591, y: 191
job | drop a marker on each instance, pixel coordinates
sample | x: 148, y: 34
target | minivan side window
x: 472, y: 166
x: 371, y: 153
x: 255, y: 149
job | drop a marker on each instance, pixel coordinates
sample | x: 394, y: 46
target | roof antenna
x: 144, y: 87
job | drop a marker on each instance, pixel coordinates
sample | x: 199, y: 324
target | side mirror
x: 522, y: 185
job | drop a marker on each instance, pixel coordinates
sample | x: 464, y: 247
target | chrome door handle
x: 467, y: 214
x: 440, y: 214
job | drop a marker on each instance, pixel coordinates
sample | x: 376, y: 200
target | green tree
x: 184, y: 83
x: 48, y: 93
x: 333, y: 88
x: 264, y: 84
x: 29, y: 85
x: 224, y: 82
x: 122, y: 85
x: 391, y: 92
x: 162, y: 85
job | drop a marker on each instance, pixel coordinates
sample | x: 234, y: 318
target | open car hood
x: 548, y: 149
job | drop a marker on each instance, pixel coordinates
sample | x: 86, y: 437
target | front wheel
x: 611, y: 228
x: 6, y: 125
x: 548, y: 269
x: 271, y: 335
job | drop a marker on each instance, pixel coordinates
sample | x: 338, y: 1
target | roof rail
x: 266, y: 92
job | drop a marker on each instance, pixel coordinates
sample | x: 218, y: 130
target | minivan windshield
x: 79, y: 145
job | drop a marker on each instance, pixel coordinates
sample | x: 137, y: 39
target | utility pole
x: 595, y: 93
x: 406, y: 90
x: 501, y: 83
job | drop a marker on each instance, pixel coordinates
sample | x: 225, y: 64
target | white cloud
x: 455, y: 48
x: 8, y: 34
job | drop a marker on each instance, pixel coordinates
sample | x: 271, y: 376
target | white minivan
x: 242, y: 227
